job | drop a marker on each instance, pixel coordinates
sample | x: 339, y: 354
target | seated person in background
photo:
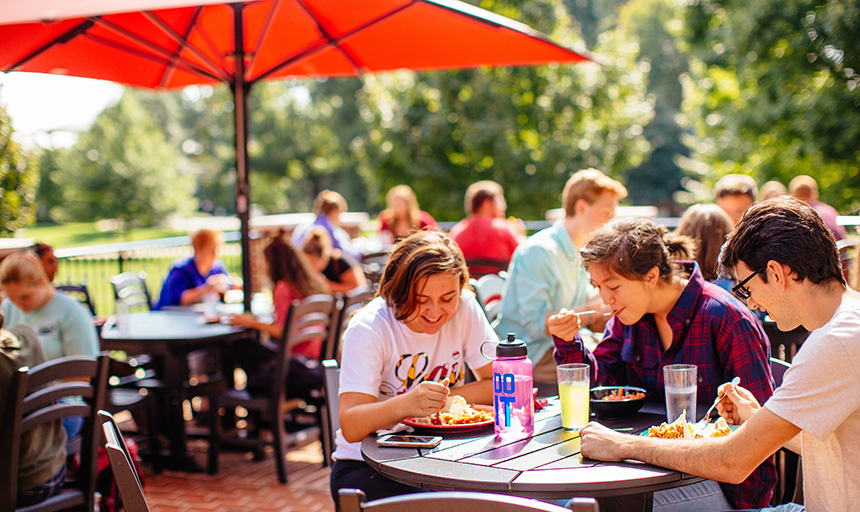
x: 64, y: 326
x: 771, y: 189
x: 546, y: 273
x: 805, y: 188
x: 190, y: 278
x: 485, y: 233
x: 49, y: 261
x: 664, y: 312
x: 341, y: 273
x: 328, y: 206
x: 735, y: 193
x: 403, y: 351
x: 42, y: 459
x: 786, y: 263
x: 293, y: 278
x: 402, y: 216
x: 708, y: 225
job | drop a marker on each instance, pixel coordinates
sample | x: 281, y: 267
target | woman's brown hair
x: 318, y: 243
x: 631, y: 247
x: 708, y: 225
x: 287, y: 264
x: 415, y: 258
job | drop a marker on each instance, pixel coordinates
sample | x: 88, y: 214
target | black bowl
x: 615, y: 408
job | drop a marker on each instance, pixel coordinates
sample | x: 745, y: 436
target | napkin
x: 400, y: 427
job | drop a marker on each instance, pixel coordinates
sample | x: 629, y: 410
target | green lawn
x: 77, y: 234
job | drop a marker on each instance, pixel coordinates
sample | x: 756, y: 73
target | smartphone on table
x: 409, y: 441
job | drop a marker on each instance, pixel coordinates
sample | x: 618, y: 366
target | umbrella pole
x: 240, y: 89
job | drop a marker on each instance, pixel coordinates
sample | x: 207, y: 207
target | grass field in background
x: 77, y: 234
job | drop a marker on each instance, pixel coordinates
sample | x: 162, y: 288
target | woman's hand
x: 563, y: 325
x: 243, y: 320
x: 426, y: 398
x: 738, y: 406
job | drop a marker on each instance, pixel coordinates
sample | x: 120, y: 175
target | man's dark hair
x: 786, y: 230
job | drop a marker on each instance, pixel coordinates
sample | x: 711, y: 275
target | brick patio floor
x: 243, y: 485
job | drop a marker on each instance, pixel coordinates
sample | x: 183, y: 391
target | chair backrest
x: 331, y: 418
x: 346, y: 306
x: 127, y: 479
x: 373, y: 264
x: 847, y: 253
x: 35, y: 398
x: 80, y: 293
x: 307, y: 319
x: 479, y: 267
x: 488, y: 290
x: 131, y: 288
x: 778, y: 367
x: 784, y: 345
x: 353, y: 500
x: 789, y: 486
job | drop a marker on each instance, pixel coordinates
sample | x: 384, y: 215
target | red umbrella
x: 168, y: 44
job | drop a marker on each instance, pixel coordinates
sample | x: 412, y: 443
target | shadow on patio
x: 242, y: 484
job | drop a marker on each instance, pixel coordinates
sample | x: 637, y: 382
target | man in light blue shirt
x: 546, y: 273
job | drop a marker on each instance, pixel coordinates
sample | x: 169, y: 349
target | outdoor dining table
x: 168, y: 337
x: 544, y: 465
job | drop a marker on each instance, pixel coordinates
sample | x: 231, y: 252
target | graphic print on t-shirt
x: 412, y: 368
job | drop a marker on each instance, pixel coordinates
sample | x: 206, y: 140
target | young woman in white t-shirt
x: 401, y: 349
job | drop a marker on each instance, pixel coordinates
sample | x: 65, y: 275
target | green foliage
x: 301, y: 134
x: 80, y: 234
x: 18, y: 181
x: 773, y: 92
x: 527, y: 128
x: 654, y: 25
x: 50, y: 193
x: 123, y: 168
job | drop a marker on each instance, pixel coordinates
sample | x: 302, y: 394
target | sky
x: 46, y: 109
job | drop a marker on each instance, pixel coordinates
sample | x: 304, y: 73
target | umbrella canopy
x: 169, y: 44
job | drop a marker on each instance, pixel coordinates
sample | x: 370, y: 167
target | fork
x: 702, y: 423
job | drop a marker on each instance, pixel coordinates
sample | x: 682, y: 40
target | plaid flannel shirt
x: 723, y: 338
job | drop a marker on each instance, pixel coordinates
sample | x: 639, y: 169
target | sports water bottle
x: 513, y: 389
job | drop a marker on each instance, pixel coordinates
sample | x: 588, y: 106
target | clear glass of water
x: 680, y: 381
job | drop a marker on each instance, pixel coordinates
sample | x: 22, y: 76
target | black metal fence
x: 95, y: 265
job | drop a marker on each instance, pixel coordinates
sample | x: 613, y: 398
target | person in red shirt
x: 486, y: 233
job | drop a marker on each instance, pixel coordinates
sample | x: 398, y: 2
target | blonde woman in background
x: 402, y: 217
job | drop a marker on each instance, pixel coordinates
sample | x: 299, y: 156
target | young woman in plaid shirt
x: 664, y: 312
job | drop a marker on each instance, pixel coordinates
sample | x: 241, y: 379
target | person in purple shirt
x: 664, y: 312
x: 805, y: 188
x: 191, y: 278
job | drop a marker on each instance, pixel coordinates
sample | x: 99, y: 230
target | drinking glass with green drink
x: 573, y: 391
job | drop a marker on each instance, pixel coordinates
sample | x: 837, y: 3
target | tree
x: 654, y: 24
x: 773, y: 92
x: 123, y: 168
x: 18, y: 181
x: 527, y: 128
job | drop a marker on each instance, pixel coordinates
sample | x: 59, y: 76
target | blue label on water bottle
x: 504, y: 384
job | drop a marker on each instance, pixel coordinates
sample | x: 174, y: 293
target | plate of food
x: 456, y: 416
x: 683, y: 429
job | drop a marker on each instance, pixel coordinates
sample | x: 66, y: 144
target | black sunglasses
x: 740, y: 290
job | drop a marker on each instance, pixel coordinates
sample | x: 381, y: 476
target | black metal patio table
x: 545, y: 465
x: 168, y: 337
